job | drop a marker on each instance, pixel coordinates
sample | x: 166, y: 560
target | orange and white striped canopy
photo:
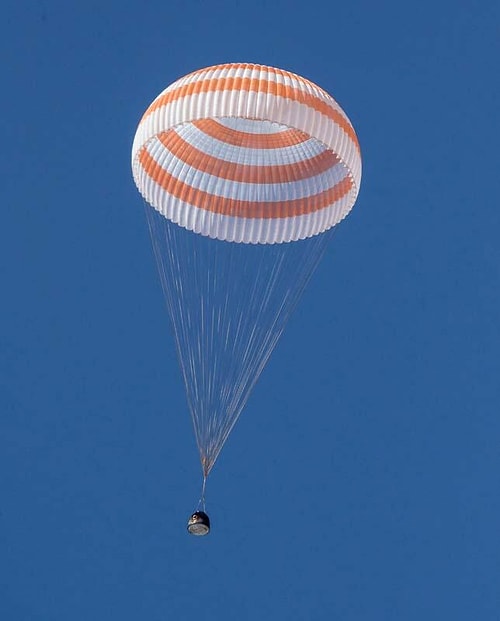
x: 247, y: 153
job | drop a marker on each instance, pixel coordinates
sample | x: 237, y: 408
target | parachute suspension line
x: 229, y: 304
x: 201, y: 502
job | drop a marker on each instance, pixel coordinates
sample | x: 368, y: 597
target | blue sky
x: 361, y: 482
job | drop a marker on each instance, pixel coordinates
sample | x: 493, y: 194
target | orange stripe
x: 256, y: 85
x: 240, y: 208
x: 193, y: 157
x: 263, y: 68
x: 278, y: 140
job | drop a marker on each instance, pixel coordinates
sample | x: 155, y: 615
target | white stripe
x: 252, y: 126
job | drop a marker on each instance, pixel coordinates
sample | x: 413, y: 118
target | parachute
x: 245, y: 170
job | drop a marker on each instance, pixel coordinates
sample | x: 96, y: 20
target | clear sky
x: 362, y: 480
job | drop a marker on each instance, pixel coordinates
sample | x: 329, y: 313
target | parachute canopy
x: 245, y: 171
x: 247, y: 153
